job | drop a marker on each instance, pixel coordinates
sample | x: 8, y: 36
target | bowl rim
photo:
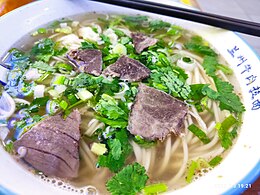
x: 249, y: 178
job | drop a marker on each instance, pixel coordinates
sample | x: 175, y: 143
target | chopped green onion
x: 119, y: 49
x: 72, y: 98
x: 54, y: 93
x: 199, y: 133
x: 63, y: 104
x: 65, y: 30
x: 42, y: 30
x: 64, y: 68
x: 60, y: 80
x: 228, y: 122
x: 69, y: 109
x: 84, y: 94
x: 98, y: 148
x: 52, y: 107
x: 155, y: 188
x: 224, y: 135
x: 191, y: 171
x: 215, y: 161
x: 187, y: 60
x: 43, y: 77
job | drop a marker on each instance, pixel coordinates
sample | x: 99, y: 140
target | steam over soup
x: 125, y: 104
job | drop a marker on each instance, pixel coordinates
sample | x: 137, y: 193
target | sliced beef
x: 53, y: 166
x: 155, y: 114
x: 52, y: 146
x: 57, y: 123
x: 142, y: 41
x: 127, y: 69
x: 88, y: 60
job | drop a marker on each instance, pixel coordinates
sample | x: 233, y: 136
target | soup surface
x: 121, y: 104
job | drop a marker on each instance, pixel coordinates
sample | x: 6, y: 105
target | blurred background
x: 241, y: 9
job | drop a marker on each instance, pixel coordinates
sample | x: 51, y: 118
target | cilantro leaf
x: 228, y: 99
x: 225, y: 91
x: 197, y: 91
x: 43, y: 66
x: 134, y: 21
x: 130, y: 180
x: 158, y: 25
x: 119, y: 149
x: 108, y: 107
x: 43, y: 50
x: 210, y: 65
x: 87, y: 81
x: 116, y: 148
x: 197, y: 45
x: 119, y: 123
x: 166, y: 79
x: 144, y: 143
x: 88, y: 45
x: 199, y: 133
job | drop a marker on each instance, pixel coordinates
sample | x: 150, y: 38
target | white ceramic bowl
x: 237, y: 171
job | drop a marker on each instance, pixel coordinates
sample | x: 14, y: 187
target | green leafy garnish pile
x: 130, y: 180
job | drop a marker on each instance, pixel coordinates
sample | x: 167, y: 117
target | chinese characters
x: 247, y: 74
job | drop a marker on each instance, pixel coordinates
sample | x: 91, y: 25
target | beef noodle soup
x: 121, y: 104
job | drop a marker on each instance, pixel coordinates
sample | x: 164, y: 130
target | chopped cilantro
x: 116, y: 150
x: 119, y: 123
x: 37, y: 103
x: 168, y: 80
x: 119, y: 32
x: 87, y: 81
x: 119, y: 149
x: 158, y: 25
x: 199, y: 133
x: 105, y: 39
x: 40, y: 101
x: 9, y: 147
x: 227, y: 98
x: 43, y: 66
x: 134, y: 21
x: 88, y: 45
x: 197, y: 45
x: 224, y: 94
x: 144, y: 143
x: 210, y: 65
x: 108, y: 107
x: 130, y: 180
x: 45, y: 49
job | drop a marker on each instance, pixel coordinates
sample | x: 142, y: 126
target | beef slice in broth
x: 127, y: 69
x: 155, y: 114
x: 87, y: 60
x: 52, y: 146
x: 142, y: 41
